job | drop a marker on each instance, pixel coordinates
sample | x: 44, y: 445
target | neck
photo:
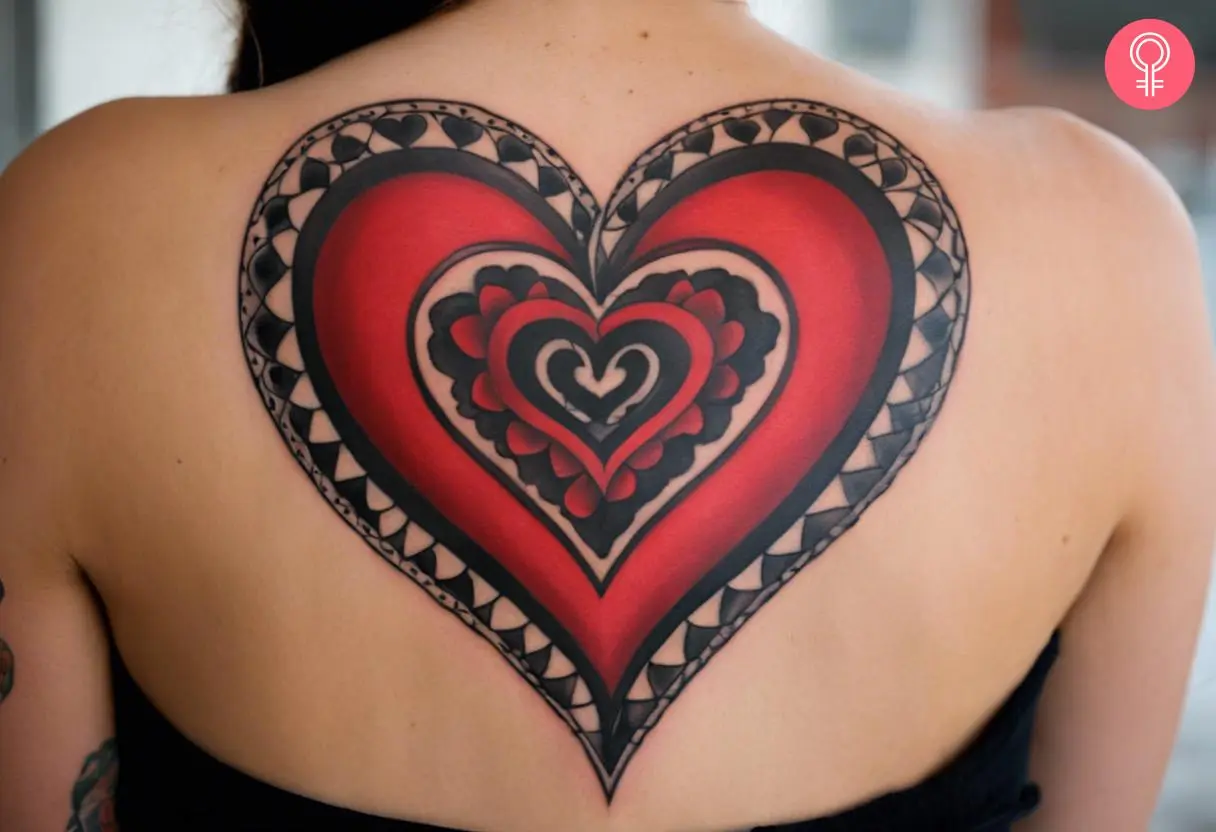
x: 598, y: 16
x: 622, y: 7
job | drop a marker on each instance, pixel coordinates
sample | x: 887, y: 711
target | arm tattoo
x: 93, y: 795
x: 603, y: 435
x: 7, y: 662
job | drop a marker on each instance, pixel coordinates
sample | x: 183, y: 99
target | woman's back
x: 587, y: 407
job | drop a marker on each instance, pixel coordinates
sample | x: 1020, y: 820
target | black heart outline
x: 276, y: 380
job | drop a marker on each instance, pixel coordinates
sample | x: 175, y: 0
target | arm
x: 57, y: 761
x: 58, y: 766
x: 1110, y: 710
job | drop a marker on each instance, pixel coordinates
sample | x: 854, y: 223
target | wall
x: 91, y: 51
x: 10, y: 139
x: 17, y: 87
x: 943, y: 61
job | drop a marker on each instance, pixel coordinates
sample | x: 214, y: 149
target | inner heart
x: 591, y: 397
x: 599, y: 394
x: 600, y: 447
x: 603, y: 436
x: 665, y: 368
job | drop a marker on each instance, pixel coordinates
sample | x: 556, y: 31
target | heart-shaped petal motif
x: 602, y: 438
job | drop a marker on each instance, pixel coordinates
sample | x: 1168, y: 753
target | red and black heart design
x: 608, y: 434
x: 599, y: 415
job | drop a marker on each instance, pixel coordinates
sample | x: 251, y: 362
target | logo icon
x: 1150, y: 64
x: 1151, y: 82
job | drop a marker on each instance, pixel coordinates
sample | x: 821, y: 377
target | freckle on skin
x: 1065, y: 539
x: 645, y: 35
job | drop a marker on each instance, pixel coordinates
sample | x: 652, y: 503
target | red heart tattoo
x: 603, y: 437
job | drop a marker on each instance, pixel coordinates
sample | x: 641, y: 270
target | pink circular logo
x: 1150, y: 64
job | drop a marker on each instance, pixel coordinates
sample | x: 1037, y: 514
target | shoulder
x: 97, y: 181
x: 1058, y: 203
x: 1111, y: 219
x: 1054, y: 161
x: 104, y: 139
x: 116, y: 156
x: 72, y: 204
x: 1108, y: 253
x: 120, y: 187
x: 1088, y: 321
x: 1074, y: 175
x: 1031, y: 181
x: 94, y: 216
x: 1108, y: 228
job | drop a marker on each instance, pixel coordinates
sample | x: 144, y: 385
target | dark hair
x: 281, y: 39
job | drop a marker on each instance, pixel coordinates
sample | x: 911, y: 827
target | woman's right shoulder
x: 1102, y: 255
x: 1100, y: 252
x: 1071, y: 181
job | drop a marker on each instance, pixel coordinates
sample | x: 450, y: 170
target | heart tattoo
x: 603, y: 437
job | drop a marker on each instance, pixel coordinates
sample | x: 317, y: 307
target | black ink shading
x: 93, y: 794
x: 7, y: 662
x: 734, y: 318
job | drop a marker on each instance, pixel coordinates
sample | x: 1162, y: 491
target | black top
x: 167, y: 782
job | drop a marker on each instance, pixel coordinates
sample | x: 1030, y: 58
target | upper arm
x: 57, y: 761
x: 1110, y: 710
x: 58, y: 766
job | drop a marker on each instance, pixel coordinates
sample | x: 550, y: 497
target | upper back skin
x: 270, y: 633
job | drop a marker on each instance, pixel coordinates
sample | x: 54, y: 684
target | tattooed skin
x: 6, y: 661
x: 93, y: 795
x: 602, y: 434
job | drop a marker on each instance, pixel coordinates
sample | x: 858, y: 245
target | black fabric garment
x: 168, y: 783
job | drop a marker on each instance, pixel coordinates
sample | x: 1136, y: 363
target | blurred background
x: 58, y: 57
